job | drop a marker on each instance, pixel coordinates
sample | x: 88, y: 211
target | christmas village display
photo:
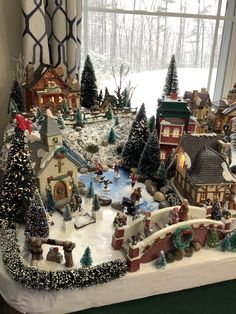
x: 73, y: 158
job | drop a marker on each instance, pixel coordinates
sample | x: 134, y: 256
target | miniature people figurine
x: 136, y: 196
x: 106, y: 183
x: 183, y: 211
x: 174, y: 216
x: 133, y: 178
x: 116, y: 171
x: 120, y: 220
x: 99, y: 172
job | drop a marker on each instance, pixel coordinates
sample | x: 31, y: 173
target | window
x: 143, y: 34
x: 166, y: 132
x: 163, y: 155
x: 176, y: 132
x: 203, y: 197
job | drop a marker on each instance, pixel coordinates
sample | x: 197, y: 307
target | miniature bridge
x: 148, y: 248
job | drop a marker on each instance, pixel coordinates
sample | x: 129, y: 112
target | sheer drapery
x: 51, y: 33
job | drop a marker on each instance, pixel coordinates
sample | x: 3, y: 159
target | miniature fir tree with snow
x: 216, y: 213
x: 212, y: 238
x: 152, y: 124
x: 117, y: 122
x: 17, y: 96
x: 225, y: 244
x: 39, y: 116
x: 64, y: 108
x: 19, y: 179
x: 112, y: 137
x: 96, y: 204
x: 109, y: 113
x: 37, y: 222
x: 50, y: 204
x: 161, y: 261
x: 86, y: 259
x: 67, y: 216
x: 78, y: 118
x: 60, y: 121
x: 88, y: 87
x: 150, y: 158
x: 171, y: 84
x: 137, y: 139
x: 162, y: 174
x: 90, y: 191
x: 125, y: 98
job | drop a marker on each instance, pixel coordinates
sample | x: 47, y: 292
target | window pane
x: 206, y: 7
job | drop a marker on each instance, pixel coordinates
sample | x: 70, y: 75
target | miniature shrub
x: 92, y: 148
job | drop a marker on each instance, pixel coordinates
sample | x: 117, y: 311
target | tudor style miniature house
x: 200, y: 105
x: 52, y: 164
x: 45, y: 88
x: 202, y: 172
x: 173, y: 120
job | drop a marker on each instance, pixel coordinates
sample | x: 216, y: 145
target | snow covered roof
x: 210, y: 168
x: 229, y: 109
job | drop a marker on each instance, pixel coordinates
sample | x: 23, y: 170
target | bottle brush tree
x: 212, y: 238
x: 67, y: 216
x: 150, y: 158
x: 50, y: 204
x: 90, y: 191
x: 60, y: 121
x: 117, y: 122
x: 109, y: 114
x: 152, y: 124
x: 161, y: 261
x: 225, y: 244
x: 96, y: 204
x: 17, y: 96
x: 88, y: 86
x: 78, y: 118
x: 86, y: 259
x: 171, y: 84
x: 112, y: 137
x: 216, y: 213
x: 36, y: 221
x: 137, y: 139
x: 162, y: 174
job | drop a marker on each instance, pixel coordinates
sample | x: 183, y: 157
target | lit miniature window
x: 176, y: 132
x: 163, y: 155
x: 60, y: 99
x: 52, y: 99
x: 203, y: 196
x: 55, y: 140
x: 181, y: 160
x: 41, y: 100
x: 166, y: 132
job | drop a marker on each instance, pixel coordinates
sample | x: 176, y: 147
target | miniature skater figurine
x: 183, y: 211
x: 116, y: 171
x: 174, y: 216
x: 133, y: 178
x: 106, y: 183
x: 136, y: 196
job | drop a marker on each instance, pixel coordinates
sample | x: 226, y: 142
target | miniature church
x: 53, y: 165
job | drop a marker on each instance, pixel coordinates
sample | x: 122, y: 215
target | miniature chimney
x: 29, y: 72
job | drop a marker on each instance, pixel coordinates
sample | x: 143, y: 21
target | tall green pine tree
x: 150, y: 158
x: 171, y: 84
x: 161, y: 261
x: 152, y: 124
x: 109, y: 114
x: 37, y: 222
x: 162, y: 173
x: 112, y: 137
x: 86, y: 259
x: 117, y: 122
x: 137, y: 139
x: 90, y: 191
x: 96, y: 204
x: 18, y: 97
x: 50, y: 202
x: 88, y: 87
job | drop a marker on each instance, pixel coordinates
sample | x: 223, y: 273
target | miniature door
x: 60, y: 191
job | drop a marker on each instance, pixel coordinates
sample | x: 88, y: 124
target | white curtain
x: 51, y: 33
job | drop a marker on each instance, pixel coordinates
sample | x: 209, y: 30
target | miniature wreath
x: 182, y: 237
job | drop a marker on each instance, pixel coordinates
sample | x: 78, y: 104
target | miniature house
x: 231, y: 96
x: 52, y: 163
x: 202, y: 172
x: 173, y: 120
x: 199, y: 104
x: 45, y: 88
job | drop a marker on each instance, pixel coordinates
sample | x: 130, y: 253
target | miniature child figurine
x: 116, y: 171
x: 120, y: 220
x: 133, y: 178
x: 106, y: 183
x: 99, y: 172
x: 183, y: 211
x: 136, y: 196
x: 174, y: 216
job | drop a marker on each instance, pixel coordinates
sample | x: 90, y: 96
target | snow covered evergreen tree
x: 88, y: 87
x: 117, y: 122
x: 225, y: 244
x: 112, y: 137
x: 90, y: 191
x: 171, y: 84
x: 50, y: 202
x: 150, y: 158
x: 19, y: 180
x: 152, y: 124
x: 161, y: 261
x: 60, y: 120
x: 137, y: 139
x: 216, y: 213
x: 18, y: 97
x: 125, y: 99
x: 162, y: 173
x: 86, y: 259
x: 39, y: 116
x: 109, y: 113
x: 96, y: 204
x: 36, y: 221
x: 64, y: 108
x: 78, y: 118
x: 212, y: 238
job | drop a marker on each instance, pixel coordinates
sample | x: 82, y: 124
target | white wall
x: 11, y: 45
